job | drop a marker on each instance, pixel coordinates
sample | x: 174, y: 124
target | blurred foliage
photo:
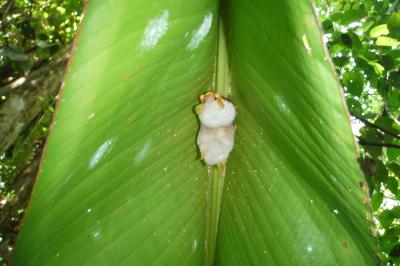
x: 363, y: 38
x: 32, y: 31
x: 32, y: 34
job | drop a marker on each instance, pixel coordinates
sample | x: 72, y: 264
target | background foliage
x: 362, y: 37
x: 363, y: 40
x: 34, y: 42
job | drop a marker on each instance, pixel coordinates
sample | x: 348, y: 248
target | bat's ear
x: 202, y: 98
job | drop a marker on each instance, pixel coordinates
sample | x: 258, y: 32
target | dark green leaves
x: 352, y: 15
x: 353, y: 82
x: 370, y: 76
x: 376, y: 200
x: 393, y: 24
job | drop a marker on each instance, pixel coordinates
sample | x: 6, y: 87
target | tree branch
x: 370, y: 124
x: 377, y: 144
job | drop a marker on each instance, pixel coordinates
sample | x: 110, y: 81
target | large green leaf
x: 121, y: 183
x: 293, y: 195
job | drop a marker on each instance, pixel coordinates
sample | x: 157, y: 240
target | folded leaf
x: 120, y: 180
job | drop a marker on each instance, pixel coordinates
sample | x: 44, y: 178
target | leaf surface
x: 292, y: 194
x: 121, y: 183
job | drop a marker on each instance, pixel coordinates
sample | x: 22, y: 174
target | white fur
x: 213, y: 115
x: 216, y: 143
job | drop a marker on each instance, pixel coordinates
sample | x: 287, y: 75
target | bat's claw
x: 222, y: 168
x: 202, y: 155
x: 199, y: 109
x: 220, y: 102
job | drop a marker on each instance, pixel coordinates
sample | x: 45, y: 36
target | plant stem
x: 370, y: 124
x: 215, y: 177
x: 216, y: 186
x: 223, y: 79
x: 376, y: 144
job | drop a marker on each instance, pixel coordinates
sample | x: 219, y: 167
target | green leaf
x: 382, y: 87
x: 354, y: 106
x: 378, y: 68
x: 395, y: 54
x: 393, y: 97
x: 327, y: 25
x: 395, y: 168
x: 395, y: 253
x: 341, y: 61
x: 394, y: 78
x: 356, y: 43
x: 395, y: 212
x: 387, y: 123
x: 393, y: 24
x: 393, y: 153
x: 386, y: 218
x: 392, y: 185
x: 352, y: 15
x: 388, y: 62
x: 390, y: 239
x: 353, y: 82
x: 386, y: 41
x: 381, y: 172
x: 378, y: 31
x: 371, y: 135
x: 376, y: 200
x: 124, y: 184
x: 121, y: 182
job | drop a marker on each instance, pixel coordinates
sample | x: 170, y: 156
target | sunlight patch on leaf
x: 100, y: 152
x: 155, y: 29
x: 201, y: 32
